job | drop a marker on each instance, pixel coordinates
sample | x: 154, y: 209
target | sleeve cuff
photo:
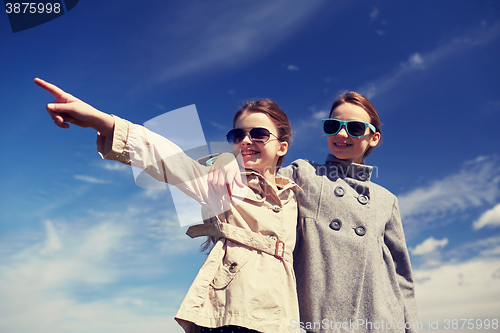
x: 115, y: 149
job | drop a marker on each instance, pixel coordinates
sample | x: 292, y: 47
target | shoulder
x: 302, y: 164
x: 299, y: 168
x: 383, y: 194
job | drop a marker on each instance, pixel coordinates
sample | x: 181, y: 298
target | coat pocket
x: 236, y: 256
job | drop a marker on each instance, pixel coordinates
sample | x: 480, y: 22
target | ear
x: 375, y: 139
x: 283, y: 148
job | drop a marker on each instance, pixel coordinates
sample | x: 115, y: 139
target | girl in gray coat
x: 351, y: 262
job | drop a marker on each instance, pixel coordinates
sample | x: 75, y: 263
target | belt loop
x: 277, y: 250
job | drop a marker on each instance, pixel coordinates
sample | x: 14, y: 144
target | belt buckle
x: 277, y: 249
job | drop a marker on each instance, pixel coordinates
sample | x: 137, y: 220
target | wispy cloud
x: 114, y: 166
x: 415, y: 61
x: 476, y: 184
x: 426, y: 60
x: 292, y: 68
x: 77, y: 278
x: 218, y: 125
x: 482, y: 248
x: 90, y: 179
x: 220, y: 38
x: 374, y: 14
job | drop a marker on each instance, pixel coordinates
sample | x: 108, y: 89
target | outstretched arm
x: 69, y: 109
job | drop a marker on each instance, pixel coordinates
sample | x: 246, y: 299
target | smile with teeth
x: 249, y: 152
x: 340, y: 144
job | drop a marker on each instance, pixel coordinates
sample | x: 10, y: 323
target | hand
x: 69, y: 109
x: 224, y: 173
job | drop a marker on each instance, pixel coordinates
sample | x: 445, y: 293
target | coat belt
x: 268, y: 244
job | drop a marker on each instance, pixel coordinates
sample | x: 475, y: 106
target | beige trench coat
x: 247, y: 279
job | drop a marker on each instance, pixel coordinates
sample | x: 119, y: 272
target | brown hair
x: 357, y: 99
x: 280, y: 120
x: 279, y: 117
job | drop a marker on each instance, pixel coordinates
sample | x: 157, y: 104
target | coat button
x: 336, y: 224
x: 276, y: 209
x: 339, y: 191
x: 362, y: 175
x: 360, y: 230
x: 363, y: 199
x: 232, y: 268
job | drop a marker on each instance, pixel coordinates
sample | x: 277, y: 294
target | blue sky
x: 84, y: 249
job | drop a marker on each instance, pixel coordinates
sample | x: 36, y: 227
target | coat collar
x: 256, y: 179
x: 348, y: 169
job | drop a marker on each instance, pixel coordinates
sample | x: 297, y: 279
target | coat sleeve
x: 137, y: 146
x: 287, y: 172
x: 395, y: 240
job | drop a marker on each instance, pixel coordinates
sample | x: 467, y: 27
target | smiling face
x: 345, y: 147
x: 259, y: 156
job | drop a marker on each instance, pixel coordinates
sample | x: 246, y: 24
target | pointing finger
x: 57, y: 92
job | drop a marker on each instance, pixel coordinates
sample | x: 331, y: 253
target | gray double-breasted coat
x: 351, y: 261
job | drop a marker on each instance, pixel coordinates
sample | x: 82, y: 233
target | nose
x: 246, y: 139
x: 343, y: 133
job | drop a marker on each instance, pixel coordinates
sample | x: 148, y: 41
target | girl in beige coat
x: 247, y: 283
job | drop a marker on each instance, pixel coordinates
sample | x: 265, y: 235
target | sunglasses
x: 257, y: 134
x: 354, y: 128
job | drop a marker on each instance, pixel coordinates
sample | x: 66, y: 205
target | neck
x: 270, y: 177
x: 268, y: 174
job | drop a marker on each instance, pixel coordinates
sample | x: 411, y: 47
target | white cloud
x: 154, y: 194
x: 476, y: 184
x: 219, y: 125
x: 113, y: 166
x: 400, y: 75
x: 292, y: 68
x: 415, y: 61
x: 490, y: 218
x: 374, y: 13
x: 53, y: 242
x: 491, y: 252
x: 465, y: 290
x: 90, y: 179
x: 78, y: 279
x: 322, y: 114
x: 482, y: 248
x: 429, y: 245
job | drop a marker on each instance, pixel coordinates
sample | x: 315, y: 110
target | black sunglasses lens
x: 331, y: 126
x: 235, y: 136
x: 356, y: 128
x: 259, y: 134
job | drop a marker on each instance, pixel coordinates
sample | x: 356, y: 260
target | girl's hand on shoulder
x: 69, y: 109
x: 225, y: 173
